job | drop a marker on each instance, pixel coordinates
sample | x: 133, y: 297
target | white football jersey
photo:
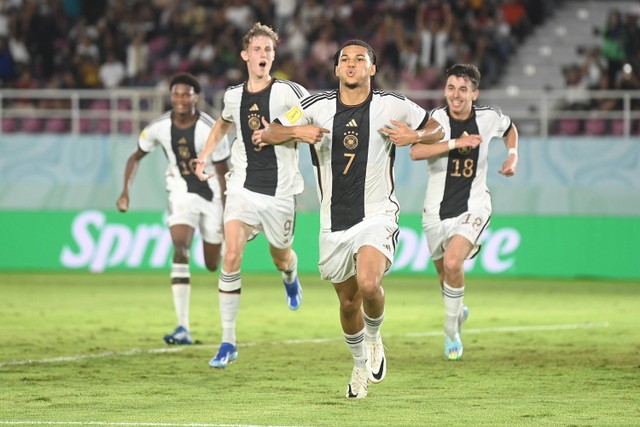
x: 272, y: 170
x: 458, y: 178
x: 181, y: 147
x: 353, y: 164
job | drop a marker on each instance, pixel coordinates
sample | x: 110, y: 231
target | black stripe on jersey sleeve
x: 294, y: 86
x: 207, y: 119
x: 385, y: 93
x: 159, y: 118
x: 310, y: 100
x: 230, y: 88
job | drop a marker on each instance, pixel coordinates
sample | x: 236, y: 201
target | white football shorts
x: 469, y: 225
x: 274, y: 216
x: 338, y: 249
x: 198, y: 213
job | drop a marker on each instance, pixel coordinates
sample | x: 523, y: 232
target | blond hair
x: 259, y: 30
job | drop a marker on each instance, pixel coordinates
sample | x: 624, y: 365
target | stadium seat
x: 56, y: 126
x: 125, y: 126
x: 31, y: 125
x: 568, y: 127
x: 595, y: 127
x: 103, y: 126
x: 617, y: 127
x: 85, y: 126
x: 9, y: 125
x: 100, y: 104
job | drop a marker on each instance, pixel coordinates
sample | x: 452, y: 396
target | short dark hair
x: 468, y: 71
x: 185, y: 79
x: 370, y: 51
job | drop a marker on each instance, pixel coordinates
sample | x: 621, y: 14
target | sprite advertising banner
x: 97, y: 241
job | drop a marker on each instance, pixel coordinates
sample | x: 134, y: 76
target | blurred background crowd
x: 140, y: 43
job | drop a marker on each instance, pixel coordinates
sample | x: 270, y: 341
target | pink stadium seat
x: 85, y: 126
x: 568, y: 127
x: 125, y: 126
x: 31, y: 125
x: 101, y: 104
x: 103, y: 126
x: 124, y: 105
x: 56, y: 126
x: 9, y: 125
x: 595, y: 127
x: 617, y: 127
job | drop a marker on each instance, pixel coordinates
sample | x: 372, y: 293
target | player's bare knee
x: 232, y: 260
x: 452, y: 266
x: 349, y: 306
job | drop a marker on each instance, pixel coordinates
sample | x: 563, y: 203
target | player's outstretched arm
x: 218, y: 132
x: 511, y: 142
x: 401, y: 135
x: 129, y: 173
x: 275, y: 133
x: 426, y: 151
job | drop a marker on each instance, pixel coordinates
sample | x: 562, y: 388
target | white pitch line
x: 105, y: 423
x: 135, y: 352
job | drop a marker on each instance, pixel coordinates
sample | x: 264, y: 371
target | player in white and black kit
x: 353, y: 152
x: 457, y: 208
x: 261, y: 185
x: 193, y: 204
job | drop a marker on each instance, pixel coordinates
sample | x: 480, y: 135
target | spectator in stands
x: 87, y: 48
x: 87, y: 69
x: 7, y: 65
x: 576, y: 87
x: 434, y: 36
x: 137, y: 56
x: 112, y: 73
x: 593, y: 67
x: 19, y: 51
x: 283, y: 12
x: 202, y: 54
x: 515, y: 14
x: 613, y: 44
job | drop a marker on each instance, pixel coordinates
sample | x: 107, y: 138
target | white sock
x: 229, y: 304
x: 372, y: 327
x: 181, y: 290
x: 289, y: 275
x: 356, y: 345
x: 452, y: 306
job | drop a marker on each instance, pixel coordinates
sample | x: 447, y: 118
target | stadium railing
x: 128, y: 110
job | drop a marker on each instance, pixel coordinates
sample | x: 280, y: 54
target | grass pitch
x: 84, y: 349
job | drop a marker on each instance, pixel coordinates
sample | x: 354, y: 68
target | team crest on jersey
x: 254, y: 121
x: 464, y: 150
x: 350, y: 140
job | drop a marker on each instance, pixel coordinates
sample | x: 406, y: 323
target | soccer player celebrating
x: 182, y: 133
x: 457, y: 207
x: 262, y: 184
x: 353, y: 150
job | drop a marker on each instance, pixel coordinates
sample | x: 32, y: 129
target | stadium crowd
x: 140, y: 43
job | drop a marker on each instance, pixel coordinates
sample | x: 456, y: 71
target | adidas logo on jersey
x: 254, y: 107
x: 352, y: 123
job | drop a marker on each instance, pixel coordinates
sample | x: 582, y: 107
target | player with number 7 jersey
x: 353, y: 133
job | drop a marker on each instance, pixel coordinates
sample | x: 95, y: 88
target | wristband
x: 452, y: 144
x: 513, y: 151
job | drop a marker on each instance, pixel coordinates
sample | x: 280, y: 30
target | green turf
x: 293, y: 367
